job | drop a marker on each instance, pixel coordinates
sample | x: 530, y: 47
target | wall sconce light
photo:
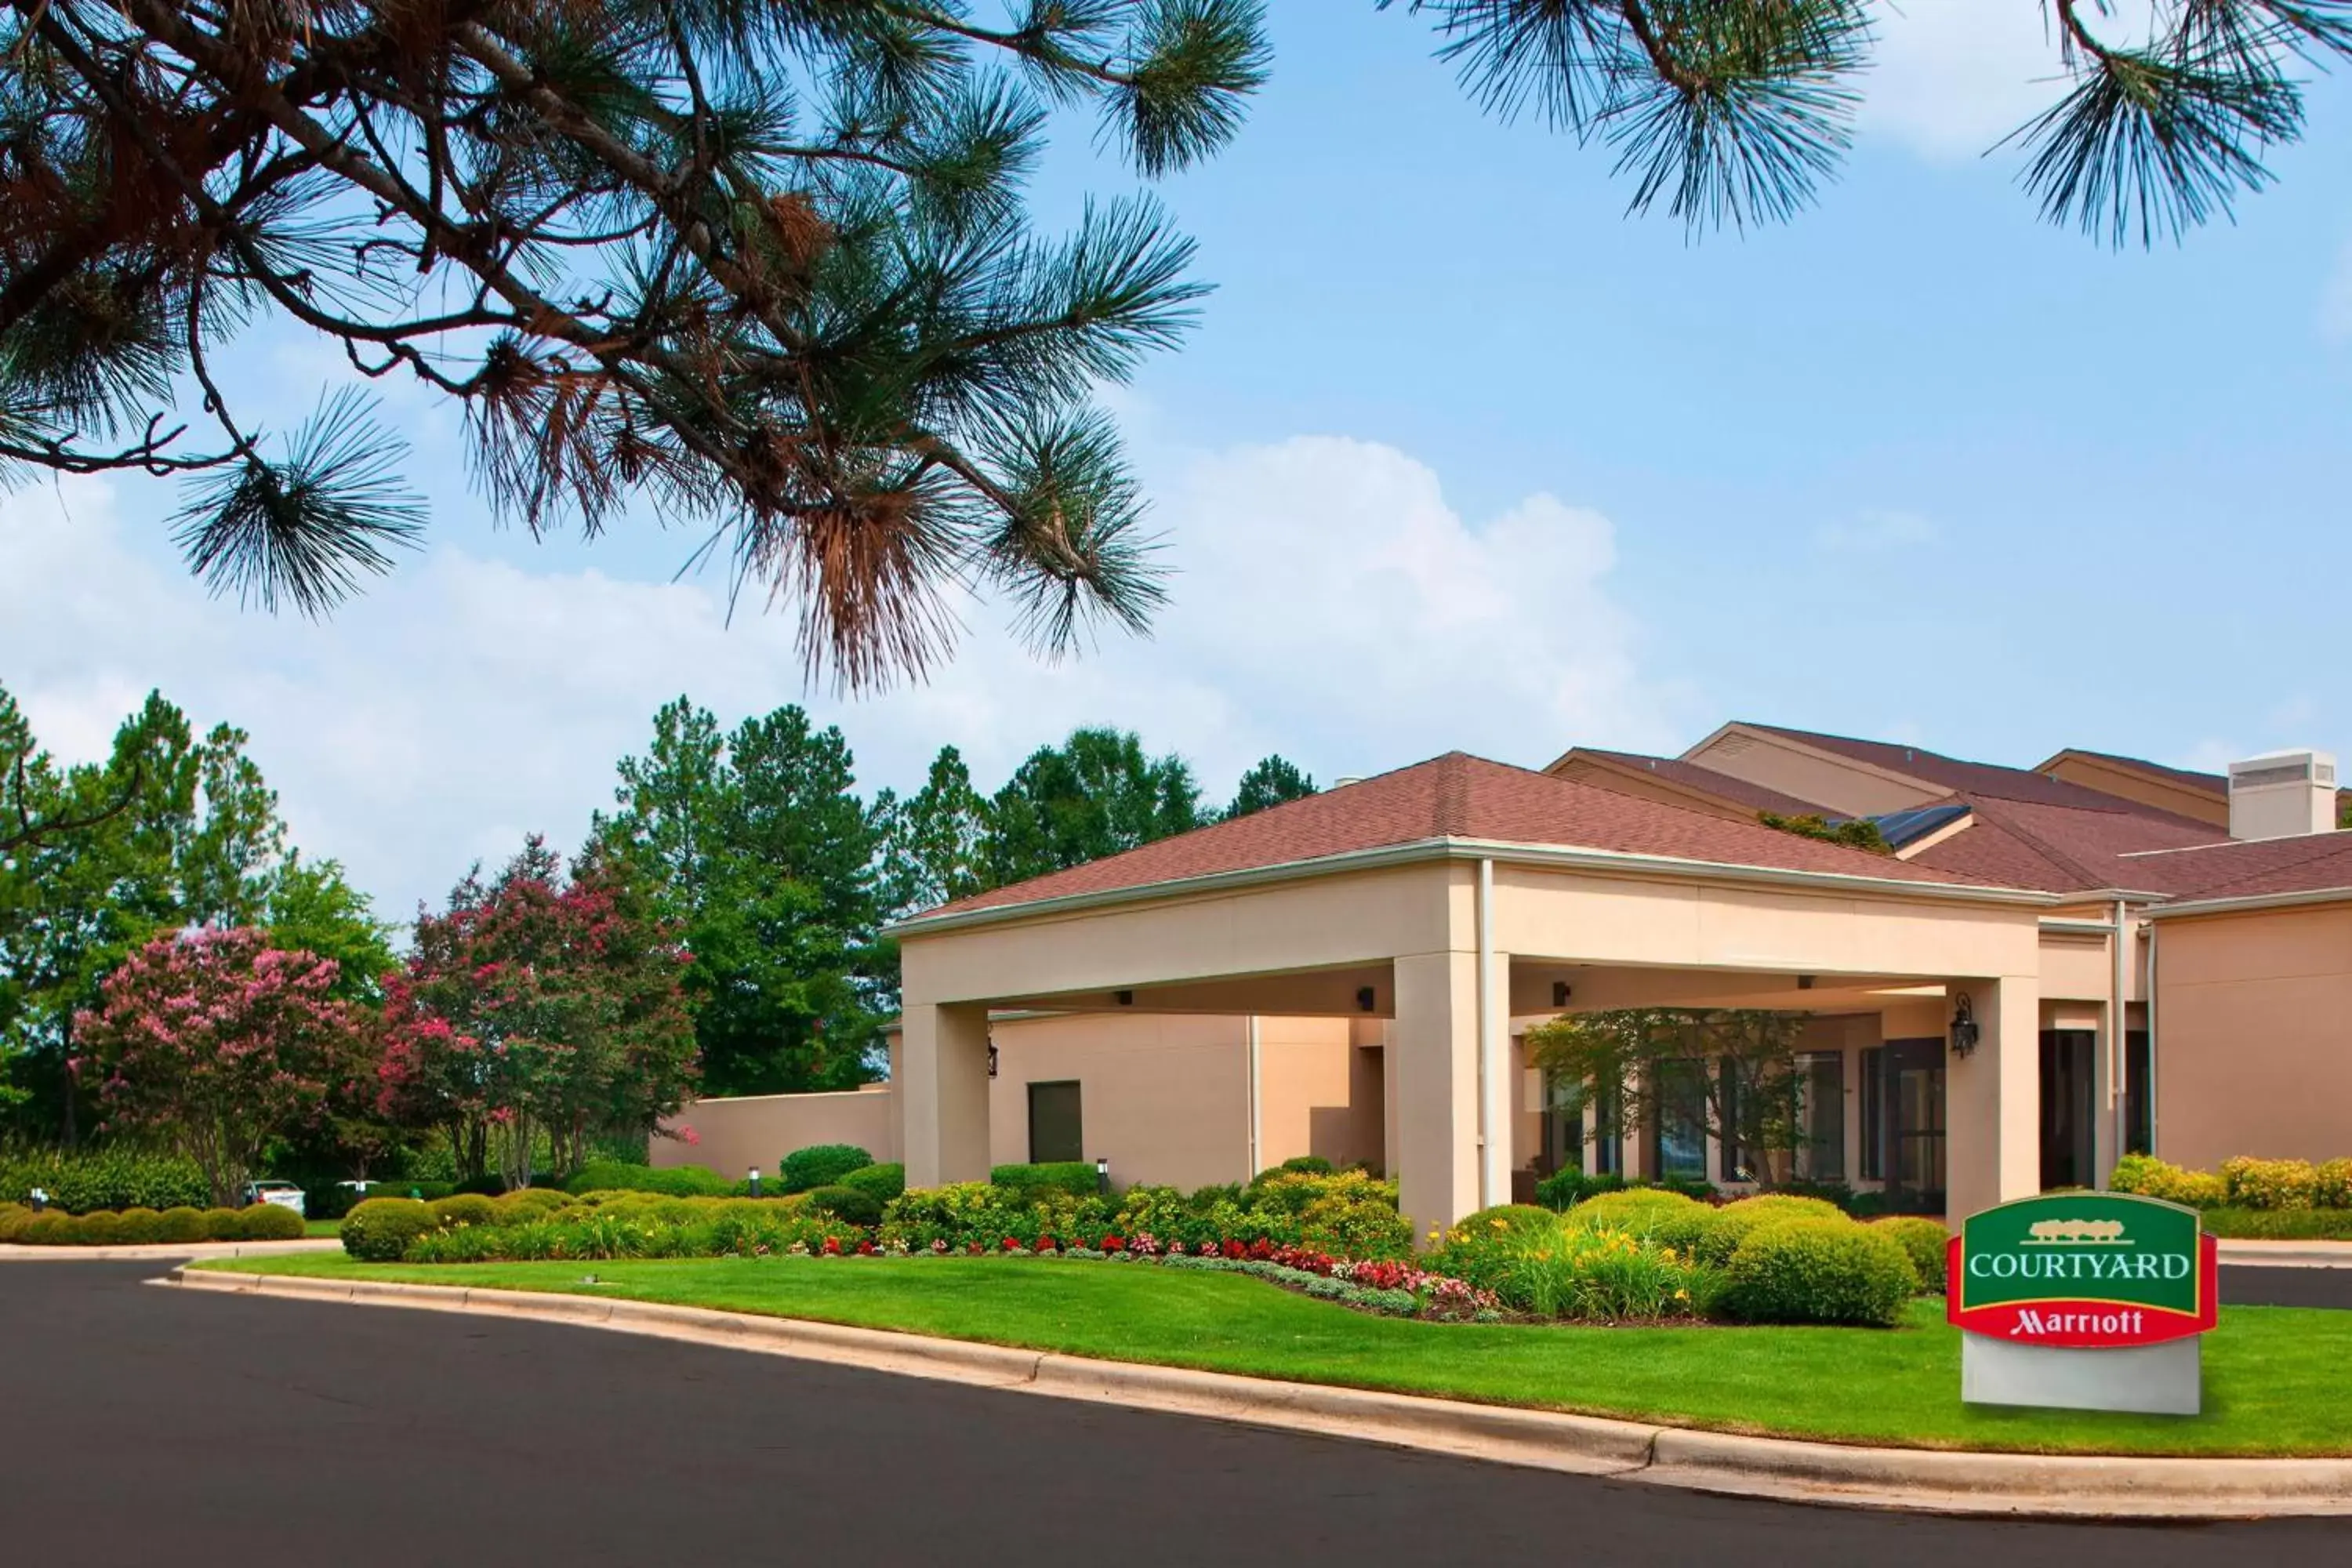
x: 1964, y: 1025
x: 1561, y: 993
x: 1125, y: 998
x: 991, y: 1059
x: 1365, y: 998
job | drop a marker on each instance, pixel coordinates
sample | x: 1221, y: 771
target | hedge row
x: 103, y: 1179
x: 138, y: 1227
x: 2242, y: 1182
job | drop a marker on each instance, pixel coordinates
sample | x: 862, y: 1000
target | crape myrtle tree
x: 539, y: 1004
x: 219, y: 1042
x: 762, y: 263
x: 1733, y: 111
x: 1729, y: 1074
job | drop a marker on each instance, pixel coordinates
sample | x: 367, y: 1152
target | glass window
x: 1057, y: 1130
x: 1820, y: 1116
x: 1608, y: 1130
x: 1873, y: 1114
x: 1680, y: 1128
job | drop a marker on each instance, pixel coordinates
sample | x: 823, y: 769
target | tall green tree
x: 1096, y: 793
x: 312, y: 908
x: 766, y: 263
x: 936, y: 841
x: 1270, y: 782
x: 759, y: 845
x: 1734, y: 111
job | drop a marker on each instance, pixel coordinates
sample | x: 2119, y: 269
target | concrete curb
x: 1911, y: 1480
x: 10, y: 1252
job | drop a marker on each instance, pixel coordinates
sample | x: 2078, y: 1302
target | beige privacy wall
x: 733, y: 1135
x: 2253, y: 1051
x: 1164, y: 1098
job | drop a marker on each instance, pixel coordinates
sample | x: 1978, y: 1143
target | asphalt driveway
x: 141, y: 1426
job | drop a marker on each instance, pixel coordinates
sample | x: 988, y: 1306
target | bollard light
x: 755, y: 1180
x: 1102, y: 1176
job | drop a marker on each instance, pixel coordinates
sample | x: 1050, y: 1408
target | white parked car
x: 285, y: 1195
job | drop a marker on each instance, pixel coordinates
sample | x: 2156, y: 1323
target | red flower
x: 1235, y: 1249
x: 975, y: 1248
x: 1011, y: 1244
x: 1261, y: 1249
x: 866, y: 1250
x: 833, y: 1246
x: 1114, y: 1243
x: 1044, y: 1244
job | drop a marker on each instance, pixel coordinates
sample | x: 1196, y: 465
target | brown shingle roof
x: 1723, y: 786
x: 2205, y: 783
x: 2312, y: 862
x: 2059, y: 848
x: 1986, y: 780
x: 1455, y: 796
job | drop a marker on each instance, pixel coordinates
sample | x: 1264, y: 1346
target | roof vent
x: 2283, y: 794
x: 1344, y: 780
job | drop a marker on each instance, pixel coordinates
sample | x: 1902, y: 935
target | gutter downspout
x: 1256, y: 1106
x: 1494, y: 1059
x: 2118, y: 1032
x: 2153, y: 1144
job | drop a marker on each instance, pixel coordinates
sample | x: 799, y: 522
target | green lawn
x: 2273, y: 1377
x: 322, y: 1227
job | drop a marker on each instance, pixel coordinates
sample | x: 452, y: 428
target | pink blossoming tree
x: 541, y: 1004
x: 218, y: 1042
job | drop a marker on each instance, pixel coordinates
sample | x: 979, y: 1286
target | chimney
x: 2283, y: 794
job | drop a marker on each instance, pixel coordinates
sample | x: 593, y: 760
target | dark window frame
x: 1038, y: 1156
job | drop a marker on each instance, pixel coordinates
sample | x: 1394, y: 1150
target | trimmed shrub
x: 1924, y: 1239
x: 853, y: 1205
x: 1566, y: 1189
x: 1553, y: 1270
x: 100, y: 1227
x: 1075, y: 1177
x: 269, y: 1222
x: 1819, y: 1271
x: 1511, y: 1218
x: 139, y: 1227
x: 2151, y: 1178
x: 1718, y: 1236
x: 882, y: 1183
x: 464, y: 1208
x: 2255, y: 1184
x: 14, y: 1218
x: 675, y: 1180
x: 380, y: 1230
x: 2279, y: 1225
x: 182, y: 1223
x: 80, y: 1182
x: 528, y: 1203
x: 2332, y: 1184
x: 1639, y: 1211
x: 402, y: 1187
x: 1308, y: 1164
x: 331, y: 1200
x: 820, y: 1165
x: 223, y: 1225
x: 51, y: 1229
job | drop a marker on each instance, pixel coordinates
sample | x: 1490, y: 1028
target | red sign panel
x: 2077, y: 1320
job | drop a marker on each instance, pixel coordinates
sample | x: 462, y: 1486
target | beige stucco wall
x: 2148, y: 789
x: 1839, y: 783
x: 2255, y: 1036
x: 1165, y: 1098
x: 731, y: 1136
x: 1317, y: 1094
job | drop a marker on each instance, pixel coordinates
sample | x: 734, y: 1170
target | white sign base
x: 2154, y: 1380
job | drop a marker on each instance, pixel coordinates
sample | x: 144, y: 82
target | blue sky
x: 1459, y: 456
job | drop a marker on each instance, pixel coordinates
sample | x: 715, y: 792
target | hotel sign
x: 2083, y: 1272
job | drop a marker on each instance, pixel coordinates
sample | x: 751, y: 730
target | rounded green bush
x: 1638, y: 1211
x: 847, y: 1204
x: 100, y: 1227
x: 269, y: 1222
x: 820, y: 1165
x: 465, y: 1208
x: 139, y: 1227
x: 51, y: 1229
x: 1819, y: 1271
x: 883, y: 1182
x: 379, y: 1230
x: 1735, y: 1223
x: 223, y: 1225
x: 180, y: 1224
x: 1506, y: 1219
x: 526, y: 1205
x: 14, y: 1218
x: 1924, y: 1241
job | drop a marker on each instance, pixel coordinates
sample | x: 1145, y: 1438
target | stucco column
x: 1992, y: 1098
x: 944, y: 1094
x: 1436, y: 1046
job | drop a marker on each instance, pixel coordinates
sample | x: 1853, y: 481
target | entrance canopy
x: 1450, y: 898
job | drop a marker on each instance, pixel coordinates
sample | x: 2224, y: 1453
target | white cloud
x: 1873, y: 532
x: 1330, y: 605
x: 1951, y: 78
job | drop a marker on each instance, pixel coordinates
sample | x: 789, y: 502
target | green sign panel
x: 2084, y: 1270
